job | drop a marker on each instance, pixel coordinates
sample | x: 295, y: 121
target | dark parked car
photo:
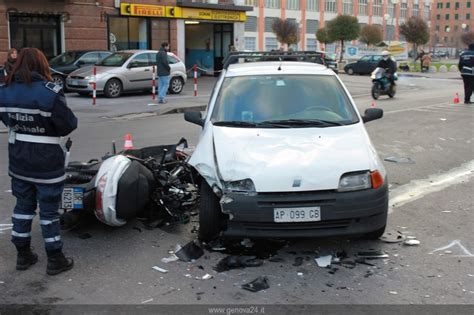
x: 67, y: 62
x: 364, y: 65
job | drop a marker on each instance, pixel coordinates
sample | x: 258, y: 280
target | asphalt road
x: 431, y: 200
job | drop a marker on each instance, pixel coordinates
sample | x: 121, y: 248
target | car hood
x: 279, y: 159
x: 87, y: 70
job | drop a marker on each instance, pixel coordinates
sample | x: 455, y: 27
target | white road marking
x: 417, y: 189
x: 466, y: 252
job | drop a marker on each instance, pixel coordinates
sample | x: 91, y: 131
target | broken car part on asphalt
x: 260, y: 283
x: 190, y: 251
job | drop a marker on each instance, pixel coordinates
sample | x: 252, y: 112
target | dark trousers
x: 28, y: 195
x: 468, y: 87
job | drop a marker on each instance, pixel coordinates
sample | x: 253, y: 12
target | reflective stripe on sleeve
x: 24, y: 111
x: 16, y: 234
x: 47, y: 222
x: 52, y: 239
x: 38, y: 180
x: 23, y: 216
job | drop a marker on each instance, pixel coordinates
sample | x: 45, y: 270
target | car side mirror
x: 372, y: 114
x: 194, y: 117
x: 132, y: 64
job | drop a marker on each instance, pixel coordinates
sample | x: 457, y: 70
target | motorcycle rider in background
x: 389, y: 65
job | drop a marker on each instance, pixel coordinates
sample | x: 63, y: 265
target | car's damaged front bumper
x: 341, y: 213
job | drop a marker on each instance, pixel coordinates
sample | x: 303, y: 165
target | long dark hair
x: 30, y: 60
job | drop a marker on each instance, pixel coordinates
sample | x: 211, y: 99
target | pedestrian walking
x: 11, y: 59
x: 163, y: 71
x: 466, y: 66
x: 425, y: 63
x: 420, y: 56
x: 35, y: 112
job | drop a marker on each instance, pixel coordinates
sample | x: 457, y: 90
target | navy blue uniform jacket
x: 37, y: 109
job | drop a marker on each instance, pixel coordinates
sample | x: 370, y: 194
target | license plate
x: 72, y: 198
x: 304, y: 214
x: 74, y: 82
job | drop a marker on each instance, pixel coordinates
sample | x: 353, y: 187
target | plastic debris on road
x: 235, y: 262
x: 261, y: 283
x: 298, y: 261
x: 190, y: 251
x: 147, y: 301
x: 412, y: 242
x: 393, y: 237
x: 169, y: 259
x: 160, y: 269
x: 324, y: 261
x: 399, y: 160
x: 375, y: 254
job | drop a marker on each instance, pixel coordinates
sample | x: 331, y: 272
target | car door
x: 373, y: 63
x: 138, y: 72
x: 361, y: 65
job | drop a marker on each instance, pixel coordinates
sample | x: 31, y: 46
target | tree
x: 468, y: 38
x: 322, y: 36
x: 342, y: 28
x: 416, y: 32
x: 371, y: 35
x: 286, y: 31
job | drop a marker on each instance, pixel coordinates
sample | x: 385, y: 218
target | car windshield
x: 64, y: 59
x: 273, y: 101
x: 115, y: 60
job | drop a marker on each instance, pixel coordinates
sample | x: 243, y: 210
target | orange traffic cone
x: 456, y: 99
x: 373, y: 104
x: 128, y: 145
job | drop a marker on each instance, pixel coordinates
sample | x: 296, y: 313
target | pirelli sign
x: 145, y: 10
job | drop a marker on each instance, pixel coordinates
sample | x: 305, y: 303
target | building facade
x: 450, y: 19
x: 199, y: 32
x: 313, y: 14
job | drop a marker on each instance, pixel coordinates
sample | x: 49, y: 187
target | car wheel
x: 375, y: 234
x: 58, y: 80
x: 176, y: 85
x: 210, y: 215
x: 375, y: 91
x: 113, y: 88
x: 350, y: 71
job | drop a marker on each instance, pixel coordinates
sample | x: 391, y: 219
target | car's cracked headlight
x: 244, y: 186
x: 360, y: 181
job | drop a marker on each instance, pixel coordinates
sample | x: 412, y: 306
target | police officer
x: 466, y: 66
x: 35, y: 112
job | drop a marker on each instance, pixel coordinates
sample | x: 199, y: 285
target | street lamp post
x: 394, y: 2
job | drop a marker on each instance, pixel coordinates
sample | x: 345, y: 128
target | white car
x: 127, y: 70
x: 284, y: 153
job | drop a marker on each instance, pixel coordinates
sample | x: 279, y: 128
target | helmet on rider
x: 385, y: 55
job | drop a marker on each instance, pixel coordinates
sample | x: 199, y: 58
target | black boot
x: 25, y: 257
x: 58, y: 263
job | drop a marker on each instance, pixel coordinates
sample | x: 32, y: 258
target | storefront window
x: 129, y: 33
x: 35, y: 30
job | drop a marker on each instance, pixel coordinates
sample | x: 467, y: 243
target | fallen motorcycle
x: 154, y: 183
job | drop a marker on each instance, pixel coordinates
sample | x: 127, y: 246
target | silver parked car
x: 127, y: 70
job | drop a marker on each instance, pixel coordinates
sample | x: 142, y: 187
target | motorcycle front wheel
x: 376, y: 91
x: 393, y: 90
